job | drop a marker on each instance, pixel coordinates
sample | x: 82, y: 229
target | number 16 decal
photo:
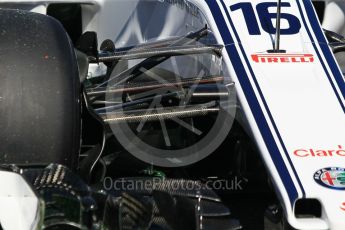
x: 265, y: 18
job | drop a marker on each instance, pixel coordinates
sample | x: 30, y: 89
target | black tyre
x: 39, y: 91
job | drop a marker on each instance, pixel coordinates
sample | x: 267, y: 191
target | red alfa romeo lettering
x: 283, y: 58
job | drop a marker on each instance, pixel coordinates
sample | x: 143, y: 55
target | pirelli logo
x: 283, y: 58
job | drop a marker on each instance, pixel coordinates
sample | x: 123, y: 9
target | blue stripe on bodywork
x: 253, y: 102
x: 262, y: 96
x: 325, y: 49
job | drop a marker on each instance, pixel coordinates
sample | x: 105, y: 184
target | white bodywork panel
x: 292, y: 103
x: 19, y: 205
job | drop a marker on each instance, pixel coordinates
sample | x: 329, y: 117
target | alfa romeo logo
x: 170, y: 111
x: 333, y: 178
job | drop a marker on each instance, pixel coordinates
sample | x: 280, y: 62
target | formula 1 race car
x: 171, y: 114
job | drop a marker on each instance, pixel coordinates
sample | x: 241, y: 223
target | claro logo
x: 320, y: 152
x: 283, y: 58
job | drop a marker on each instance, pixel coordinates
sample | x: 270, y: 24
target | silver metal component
x: 211, y: 90
x: 138, y: 101
x: 100, y: 102
x: 159, y: 52
x: 337, y: 47
x: 132, y: 87
x: 211, y: 94
x: 131, y: 73
x: 165, y: 113
x: 277, y: 38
